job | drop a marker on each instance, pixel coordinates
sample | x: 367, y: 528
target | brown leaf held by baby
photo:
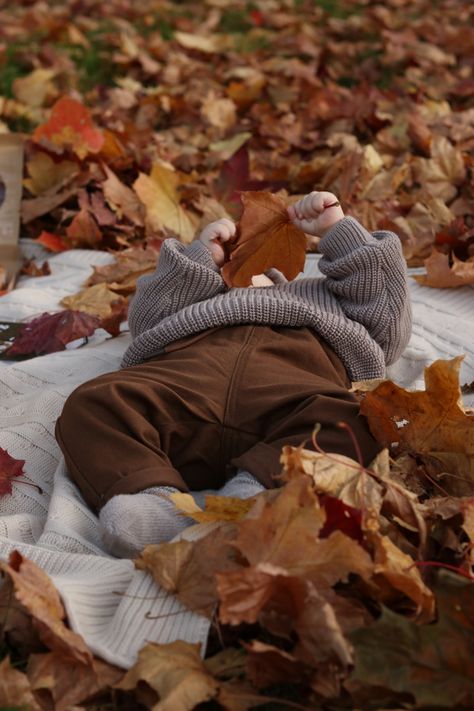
x: 266, y: 238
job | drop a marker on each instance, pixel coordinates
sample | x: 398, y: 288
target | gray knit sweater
x: 361, y: 307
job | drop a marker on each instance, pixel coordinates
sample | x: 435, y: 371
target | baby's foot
x: 129, y: 522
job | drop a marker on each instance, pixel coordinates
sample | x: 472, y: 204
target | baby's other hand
x: 214, y: 235
x: 316, y: 213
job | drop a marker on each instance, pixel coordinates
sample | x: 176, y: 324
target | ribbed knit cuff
x: 345, y: 236
x: 198, y: 252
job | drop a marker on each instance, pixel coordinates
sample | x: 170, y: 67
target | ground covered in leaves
x: 346, y: 588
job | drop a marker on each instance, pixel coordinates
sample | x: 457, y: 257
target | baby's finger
x: 226, y: 229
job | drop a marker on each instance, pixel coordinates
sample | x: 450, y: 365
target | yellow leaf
x: 46, y: 175
x: 209, y: 44
x: 218, y: 508
x: 159, y: 193
x: 96, y: 300
x: 35, y: 88
x: 440, y: 274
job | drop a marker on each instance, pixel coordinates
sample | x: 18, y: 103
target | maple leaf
x: 35, y: 591
x: 65, y: 682
x: 55, y: 243
x: 122, y: 199
x: 176, y: 567
x: 70, y: 126
x: 431, y: 421
x: 9, y: 467
x: 15, y: 689
x: 175, y: 672
x: 440, y: 273
x: 159, y: 193
x: 266, y: 238
x: 50, y: 333
x: 47, y: 175
x: 95, y: 300
x: 432, y: 663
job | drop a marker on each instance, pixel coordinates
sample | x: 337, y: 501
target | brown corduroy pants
x: 214, y: 402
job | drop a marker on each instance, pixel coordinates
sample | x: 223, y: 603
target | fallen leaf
x: 50, y: 333
x: 35, y: 591
x: 15, y: 689
x: 218, y: 508
x: 432, y: 663
x: 9, y: 467
x: 95, y: 300
x: 70, y: 126
x: 176, y: 672
x: 443, y: 272
x: 266, y: 238
x: 62, y: 683
x: 431, y: 421
x: 177, y: 566
x: 55, y: 243
x: 47, y: 175
x: 122, y: 199
x: 35, y: 88
x: 159, y: 194
x: 121, y: 276
x: 83, y: 232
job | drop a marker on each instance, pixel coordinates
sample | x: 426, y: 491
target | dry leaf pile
x: 145, y: 120
x: 345, y: 588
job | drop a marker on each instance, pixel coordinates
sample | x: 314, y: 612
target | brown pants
x: 225, y: 399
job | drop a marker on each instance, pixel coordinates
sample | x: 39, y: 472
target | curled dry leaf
x: 176, y: 672
x: 443, y: 272
x: 35, y: 591
x: 62, y: 683
x: 218, y: 508
x: 177, y: 566
x: 50, y: 333
x: 431, y: 421
x: 15, y: 689
x: 266, y: 238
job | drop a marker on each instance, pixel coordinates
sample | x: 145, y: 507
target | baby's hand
x: 214, y: 235
x: 316, y: 213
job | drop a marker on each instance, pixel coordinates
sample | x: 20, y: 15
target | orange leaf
x: 55, y: 243
x: 267, y: 238
x: 70, y: 126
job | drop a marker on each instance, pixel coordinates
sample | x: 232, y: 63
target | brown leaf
x: 83, y: 231
x: 48, y: 175
x: 15, y: 689
x: 442, y: 274
x: 267, y: 238
x: 176, y: 672
x: 122, y: 199
x: 129, y: 265
x: 267, y: 665
x: 431, y: 421
x: 62, y: 683
x: 177, y: 566
x: 35, y: 591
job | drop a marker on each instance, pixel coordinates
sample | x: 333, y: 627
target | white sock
x: 129, y: 522
x: 242, y: 486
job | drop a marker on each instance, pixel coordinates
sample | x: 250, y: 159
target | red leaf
x: 111, y: 323
x: 55, y: 243
x: 70, y: 126
x: 9, y: 467
x: 341, y: 517
x: 50, y: 333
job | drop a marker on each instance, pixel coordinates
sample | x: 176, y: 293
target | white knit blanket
x: 116, y: 608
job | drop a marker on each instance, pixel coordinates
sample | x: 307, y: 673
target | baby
x: 216, y: 380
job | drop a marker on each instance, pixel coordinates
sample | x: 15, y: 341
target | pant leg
x: 294, y: 380
x: 149, y: 425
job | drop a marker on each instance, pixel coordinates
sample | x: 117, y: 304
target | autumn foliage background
x: 145, y: 120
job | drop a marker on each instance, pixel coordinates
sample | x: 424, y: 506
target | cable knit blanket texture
x: 116, y: 608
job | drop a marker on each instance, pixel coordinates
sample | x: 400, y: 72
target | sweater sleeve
x: 184, y: 275
x: 367, y: 274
